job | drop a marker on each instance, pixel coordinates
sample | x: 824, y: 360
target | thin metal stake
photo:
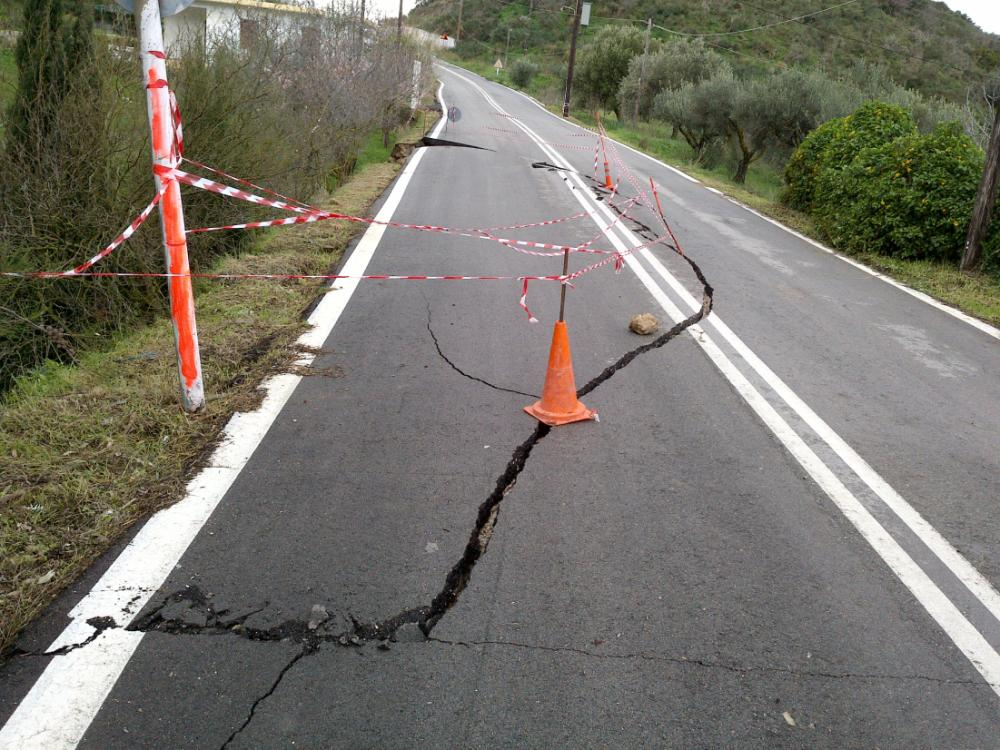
x: 562, y: 290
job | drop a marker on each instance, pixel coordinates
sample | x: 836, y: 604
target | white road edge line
x: 61, y: 705
x: 968, y: 639
x: 955, y: 313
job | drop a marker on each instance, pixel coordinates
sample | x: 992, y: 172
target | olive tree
x: 667, y: 69
x: 699, y: 111
x: 604, y: 62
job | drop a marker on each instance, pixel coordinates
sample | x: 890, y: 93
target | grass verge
x: 977, y: 294
x: 89, y: 449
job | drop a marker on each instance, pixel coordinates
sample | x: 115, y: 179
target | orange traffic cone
x: 558, y: 404
x: 607, y: 177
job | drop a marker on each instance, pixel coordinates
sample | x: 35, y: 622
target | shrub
x: 802, y: 170
x: 522, y: 71
x: 872, y: 124
x: 834, y: 145
x: 71, y: 180
x: 909, y: 198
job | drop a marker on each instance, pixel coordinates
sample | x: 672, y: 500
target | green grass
x: 375, y: 149
x: 86, y: 450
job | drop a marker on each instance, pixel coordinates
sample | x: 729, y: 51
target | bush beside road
x: 87, y: 450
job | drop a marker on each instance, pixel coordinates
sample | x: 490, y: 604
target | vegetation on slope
x: 921, y: 43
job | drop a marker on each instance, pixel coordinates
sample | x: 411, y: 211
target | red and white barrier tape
x: 118, y: 241
x: 307, y: 213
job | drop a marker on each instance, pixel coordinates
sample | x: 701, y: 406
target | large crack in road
x: 190, y: 611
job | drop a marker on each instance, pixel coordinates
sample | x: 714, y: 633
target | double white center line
x: 842, y: 463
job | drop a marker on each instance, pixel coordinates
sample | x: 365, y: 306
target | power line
x: 784, y: 20
x: 866, y: 43
x: 759, y: 28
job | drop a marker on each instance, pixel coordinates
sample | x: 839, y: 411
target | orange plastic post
x: 559, y: 404
x: 150, y: 31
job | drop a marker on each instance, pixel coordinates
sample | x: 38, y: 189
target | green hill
x: 922, y: 43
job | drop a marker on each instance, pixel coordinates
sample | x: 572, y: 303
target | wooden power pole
x: 458, y: 26
x: 572, y: 57
x: 642, y: 68
x: 982, y: 210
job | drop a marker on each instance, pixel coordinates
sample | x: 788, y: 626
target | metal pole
x: 562, y: 290
x: 572, y: 57
x: 642, y: 68
x: 154, y: 71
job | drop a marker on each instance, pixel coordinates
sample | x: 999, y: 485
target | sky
x: 984, y: 13
x: 389, y: 8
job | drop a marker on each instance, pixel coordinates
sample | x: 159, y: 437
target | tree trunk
x: 983, y: 208
x: 747, y: 155
x: 741, y: 169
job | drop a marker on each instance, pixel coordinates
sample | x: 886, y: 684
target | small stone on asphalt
x: 644, y: 324
x: 317, y: 616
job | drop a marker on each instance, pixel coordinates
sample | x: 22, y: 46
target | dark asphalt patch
x: 428, y: 141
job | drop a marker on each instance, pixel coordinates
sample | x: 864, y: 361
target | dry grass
x: 87, y: 450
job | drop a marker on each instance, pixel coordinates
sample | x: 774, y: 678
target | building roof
x: 262, y: 5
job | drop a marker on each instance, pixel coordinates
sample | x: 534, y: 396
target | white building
x: 442, y: 41
x: 209, y: 18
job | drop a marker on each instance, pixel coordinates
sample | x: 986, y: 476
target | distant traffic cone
x: 607, y: 177
x: 558, y: 404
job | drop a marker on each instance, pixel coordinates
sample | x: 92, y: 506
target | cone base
x: 580, y: 413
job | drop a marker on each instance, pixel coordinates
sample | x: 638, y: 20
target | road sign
x: 498, y: 64
x: 167, y: 7
x: 454, y: 113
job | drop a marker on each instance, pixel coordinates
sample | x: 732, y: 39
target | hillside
x: 923, y: 44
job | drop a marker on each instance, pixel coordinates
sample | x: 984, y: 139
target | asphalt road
x: 781, y: 533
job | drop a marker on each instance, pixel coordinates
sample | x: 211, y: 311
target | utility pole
x: 458, y: 27
x: 572, y: 57
x: 362, y: 28
x: 983, y: 208
x: 505, y: 50
x: 163, y: 143
x: 399, y: 22
x: 642, y: 68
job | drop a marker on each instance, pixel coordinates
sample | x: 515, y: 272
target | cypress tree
x: 41, y: 65
x: 78, y: 41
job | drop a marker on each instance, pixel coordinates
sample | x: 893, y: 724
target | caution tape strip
x: 118, y: 241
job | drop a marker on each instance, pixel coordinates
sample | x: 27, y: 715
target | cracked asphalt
x: 667, y: 577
